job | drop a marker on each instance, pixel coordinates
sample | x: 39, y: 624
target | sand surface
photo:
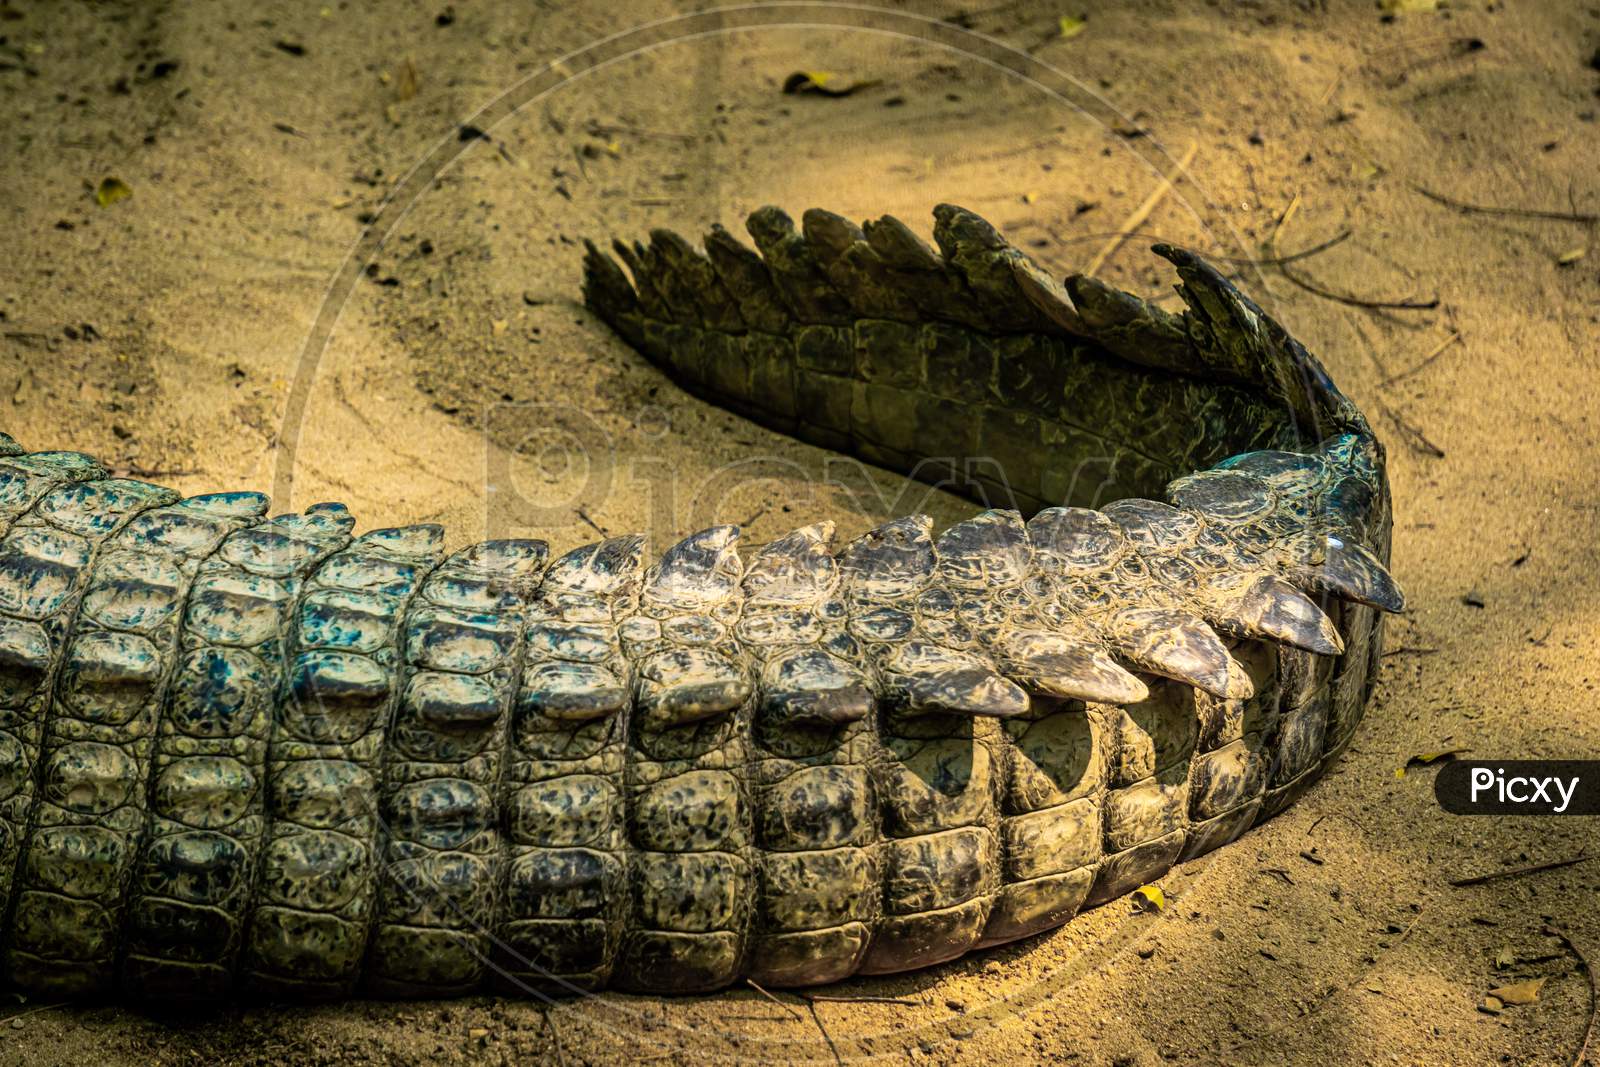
x: 463, y: 383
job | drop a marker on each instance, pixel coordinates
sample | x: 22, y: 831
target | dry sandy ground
x: 463, y: 383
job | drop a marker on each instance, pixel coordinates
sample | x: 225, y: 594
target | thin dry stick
x: 1249, y: 261
x: 812, y: 1005
x: 1517, y: 872
x: 1357, y: 301
x: 1142, y: 212
x: 1243, y: 261
x: 861, y: 999
x: 35, y: 1011
x: 1426, y: 360
x: 751, y: 982
x: 555, y: 1035
x: 1594, y: 992
x: 1513, y: 212
x: 1292, y: 257
x: 1283, y: 220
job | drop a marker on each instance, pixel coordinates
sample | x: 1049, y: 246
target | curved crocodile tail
x: 241, y: 753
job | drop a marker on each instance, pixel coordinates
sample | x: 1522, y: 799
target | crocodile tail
x: 241, y: 752
x: 966, y: 365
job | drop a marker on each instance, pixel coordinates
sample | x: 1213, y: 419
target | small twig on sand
x: 1414, y: 436
x: 1292, y: 257
x: 1407, y: 651
x: 1582, y: 1055
x: 1242, y: 261
x: 1142, y: 212
x: 1283, y: 220
x: 1335, y: 815
x: 35, y: 1011
x: 862, y: 999
x: 1513, y: 212
x: 1426, y: 360
x: 1517, y: 872
x: 1356, y: 301
x: 555, y: 1035
x: 751, y: 982
x: 595, y: 526
x: 811, y: 1003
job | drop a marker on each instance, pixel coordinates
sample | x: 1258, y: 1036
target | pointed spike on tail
x: 896, y: 555
x: 1047, y: 294
x: 899, y: 246
x: 606, y: 287
x: 598, y: 569
x: 1228, y: 329
x: 828, y: 234
x: 957, y: 230
x: 797, y: 566
x: 1054, y: 665
x: 964, y: 690
x: 1273, y: 608
x: 738, y: 266
x: 1135, y: 330
x: 1212, y: 296
x: 706, y: 563
x: 1067, y: 539
x: 1349, y: 571
x: 423, y: 541
x: 1180, y: 646
x: 769, y: 225
x: 988, y: 549
x: 332, y: 513
x: 1224, y: 496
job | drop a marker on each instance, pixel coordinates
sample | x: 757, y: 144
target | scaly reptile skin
x: 252, y: 754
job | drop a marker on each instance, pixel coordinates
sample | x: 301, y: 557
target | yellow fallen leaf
x: 1149, y: 898
x: 1571, y: 256
x: 1407, y: 7
x: 1504, y: 958
x: 499, y: 326
x: 1071, y: 27
x: 110, y: 191
x: 1028, y: 198
x: 818, y: 78
x: 1364, y: 171
x: 1521, y: 993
